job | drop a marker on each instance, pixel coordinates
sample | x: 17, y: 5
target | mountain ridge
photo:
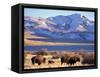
x: 71, y: 27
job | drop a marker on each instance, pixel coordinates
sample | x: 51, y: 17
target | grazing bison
x: 55, y: 57
x: 38, y: 59
x: 88, y: 59
x: 50, y: 62
x: 70, y: 60
x: 64, y: 59
x: 73, y: 60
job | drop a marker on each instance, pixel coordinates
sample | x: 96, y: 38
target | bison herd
x: 70, y: 60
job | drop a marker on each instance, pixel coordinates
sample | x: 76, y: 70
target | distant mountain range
x: 73, y: 27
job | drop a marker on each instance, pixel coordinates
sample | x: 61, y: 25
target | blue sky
x: 44, y: 13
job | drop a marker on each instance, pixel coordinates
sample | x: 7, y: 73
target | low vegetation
x: 55, y: 59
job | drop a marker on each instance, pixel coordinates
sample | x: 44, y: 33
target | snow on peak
x: 80, y: 28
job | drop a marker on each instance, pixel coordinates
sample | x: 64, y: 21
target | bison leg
x: 39, y: 63
x: 33, y: 61
x: 61, y: 63
x: 44, y: 60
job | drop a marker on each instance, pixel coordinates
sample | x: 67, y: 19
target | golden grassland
x: 57, y: 62
x: 28, y: 64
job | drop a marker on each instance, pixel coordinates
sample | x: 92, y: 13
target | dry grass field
x: 56, y: 62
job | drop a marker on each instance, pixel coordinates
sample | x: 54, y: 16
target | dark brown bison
x: 70, y: 60
x: 50, y: 62
x: 64, y: 59
x: 38, y: 59
x: 88, y: 59
x: 73, y: 60
x: 55, y: 57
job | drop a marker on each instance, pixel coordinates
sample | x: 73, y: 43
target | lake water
x: 69, y: 48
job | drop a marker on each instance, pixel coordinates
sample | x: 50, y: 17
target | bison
x: 55, y: 57
x: 88, y: 58
x: 50, y: 62
x: 38, y: 59
x: 70, y: 60
x: 73, y: 60
x: 64, y: 59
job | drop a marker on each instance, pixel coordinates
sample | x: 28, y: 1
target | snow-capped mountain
x: 71, y: 27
